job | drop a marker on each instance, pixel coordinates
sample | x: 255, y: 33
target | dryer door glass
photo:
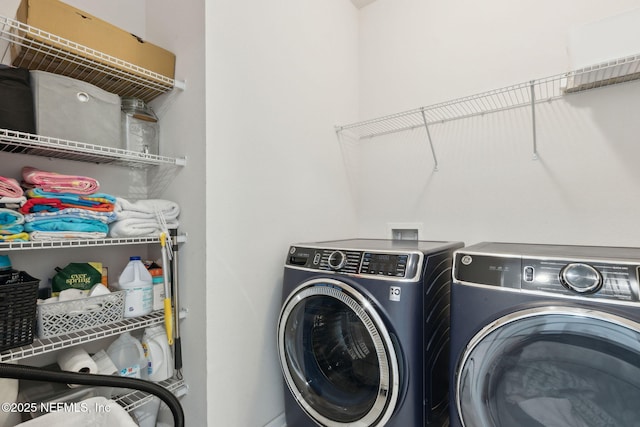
x: 337, y: 357
x: 551, y: 367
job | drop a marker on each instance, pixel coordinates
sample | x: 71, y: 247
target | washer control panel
x: 594, y: 279
x: 369, y: 263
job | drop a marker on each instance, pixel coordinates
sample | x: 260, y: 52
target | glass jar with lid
x: 140, y: 127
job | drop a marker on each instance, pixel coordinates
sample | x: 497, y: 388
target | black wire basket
x: 18, y: 300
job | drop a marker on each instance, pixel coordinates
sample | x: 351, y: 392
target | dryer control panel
x: 575, y: 277
x: 387, y: 265
x: 587, y: 278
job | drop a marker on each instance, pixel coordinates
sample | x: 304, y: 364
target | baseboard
x: 278, y: 421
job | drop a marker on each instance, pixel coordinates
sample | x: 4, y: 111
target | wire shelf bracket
x: 433, y: 152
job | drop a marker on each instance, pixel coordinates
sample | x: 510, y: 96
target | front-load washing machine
x: 363, y: 333
x: 545, y: 335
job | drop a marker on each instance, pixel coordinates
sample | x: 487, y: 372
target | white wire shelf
x: 520, y: 95
x: 77, y: 243
x: 46, y: 345
x: 44, y: 146
x: 136, y: 399
x: 82, y: 243
x: 34, y: 49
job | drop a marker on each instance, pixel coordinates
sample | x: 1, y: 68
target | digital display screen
x: 383, y: 264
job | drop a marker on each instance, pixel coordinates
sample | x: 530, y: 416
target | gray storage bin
x: 75, y: 110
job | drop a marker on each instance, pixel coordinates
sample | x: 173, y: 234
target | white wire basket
x: 65, y: 317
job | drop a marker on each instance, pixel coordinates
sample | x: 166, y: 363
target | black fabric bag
x: 16, y: 100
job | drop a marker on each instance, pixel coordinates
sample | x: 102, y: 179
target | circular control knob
x: 337, y: 260
x: 581, y: 278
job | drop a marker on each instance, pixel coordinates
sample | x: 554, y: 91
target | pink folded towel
x: 9, y: 187
x: 59, y: 183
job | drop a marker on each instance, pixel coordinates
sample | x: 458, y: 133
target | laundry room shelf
x: 526, y: 94
x: 44, y: 146
x: 40, y: 50
x: 46, y: 345
x: 136, y: 399
x: 519, y: 95
x: 82, y: 243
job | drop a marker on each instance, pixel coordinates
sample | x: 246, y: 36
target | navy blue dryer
x: 363, y: 333
x: 545, y: 336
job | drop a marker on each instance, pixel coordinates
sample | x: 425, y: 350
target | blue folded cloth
x: 9, y: 217
x: 67, y: 224
x: 71, y: 198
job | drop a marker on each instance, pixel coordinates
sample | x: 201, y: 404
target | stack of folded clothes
x: 11, y: 221
x: 65, y: 206
x: 143, y: 217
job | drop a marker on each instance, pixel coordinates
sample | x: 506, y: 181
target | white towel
x: 146, y: 209
x: 138, y: 227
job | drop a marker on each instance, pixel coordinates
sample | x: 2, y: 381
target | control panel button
x: 581, y: 278
x: 528, y: 274
x: 337, y: 260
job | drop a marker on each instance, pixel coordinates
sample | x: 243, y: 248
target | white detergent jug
x: 127, y: 354
x: 136, y: 280
x: 158, y: 353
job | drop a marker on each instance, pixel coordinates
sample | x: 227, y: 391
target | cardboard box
x: 75, y: 25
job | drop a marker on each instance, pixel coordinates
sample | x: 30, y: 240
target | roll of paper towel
x: 76, y: 359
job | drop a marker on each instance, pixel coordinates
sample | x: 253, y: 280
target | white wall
x: 280, y: 75
x: 180, y: 29
x: 584, y: 187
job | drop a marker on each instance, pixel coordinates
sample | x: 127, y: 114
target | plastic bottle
x: 158, y: 284
x: 158, y: 354
x: 127, y: 355
x: 137, y: 282
x: 6, y: 270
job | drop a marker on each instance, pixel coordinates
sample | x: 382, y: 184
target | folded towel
x: 59, y: 183
x: 137, y: 227
x: 18, y: 237
x: 67, y: 224
x: 41, y: 205
x: 146, y: 209
x: 9, y: 217
x: 69, y: 213
x: 62, y: 235
x: 53, y: 204
x: 11, y: 229
x: 72, y: 198
x: 12, y: 202
x: 9, y: 187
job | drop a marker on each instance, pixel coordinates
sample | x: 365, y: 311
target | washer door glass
x: 337, y: 357
x: 551, y: 367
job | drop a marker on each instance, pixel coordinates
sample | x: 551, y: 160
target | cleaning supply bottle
x: 137, y: 282
x: 7, y: 272
x: 158, y: 284
x: 127, y: 355
x: 158, y: 353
